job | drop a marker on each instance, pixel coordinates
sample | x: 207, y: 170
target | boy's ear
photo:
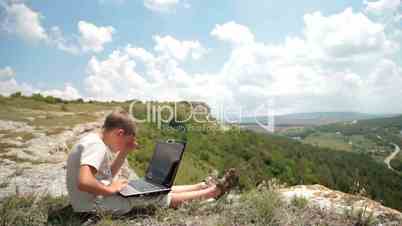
x: 120, y: 132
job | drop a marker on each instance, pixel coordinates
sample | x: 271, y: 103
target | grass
x: 63, y: 121
x: 360, y: 216
x: 24, y: 109
x: 19, y: 114
x: 21, y: 211
x: 260, y: 206
x: 299, y: 202
x: 329, y: 140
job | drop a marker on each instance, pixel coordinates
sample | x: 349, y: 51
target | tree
x: 16, y: 94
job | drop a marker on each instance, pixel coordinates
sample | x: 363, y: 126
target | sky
x: 236, y: 55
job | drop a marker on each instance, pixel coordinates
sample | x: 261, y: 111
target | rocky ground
x: 342, y: 203
x: 37, y: 164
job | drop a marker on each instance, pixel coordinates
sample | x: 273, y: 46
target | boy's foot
x: 227, y: 182
x: 209, y: 181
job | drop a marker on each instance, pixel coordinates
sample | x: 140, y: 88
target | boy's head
x: 119, y: 130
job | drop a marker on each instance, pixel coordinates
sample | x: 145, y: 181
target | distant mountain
x: 312, y: 118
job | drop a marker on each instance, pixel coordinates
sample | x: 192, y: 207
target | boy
x: 91, y: 174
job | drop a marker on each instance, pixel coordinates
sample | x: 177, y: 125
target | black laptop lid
x: 165, y: 162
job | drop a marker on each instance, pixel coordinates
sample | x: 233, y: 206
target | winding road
x: 388, y: 159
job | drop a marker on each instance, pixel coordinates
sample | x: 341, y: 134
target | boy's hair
x: 120, y: 119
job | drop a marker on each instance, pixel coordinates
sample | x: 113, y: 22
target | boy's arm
x: 121, y: 157
x: 87, y: 182
x: 118, y: 162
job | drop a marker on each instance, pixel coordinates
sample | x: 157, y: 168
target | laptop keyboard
x: 143, y: 186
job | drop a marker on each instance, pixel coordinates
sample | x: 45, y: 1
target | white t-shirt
x: 90, y: 150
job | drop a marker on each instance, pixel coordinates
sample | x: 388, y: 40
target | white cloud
x: 381, y: 6
x: 113, y: 78
x: 69, y: 93
x: 6, y: 73
x: 180, y: 50
x: 61, y: 42
x: 140, y: 53
x: 9, y: 85
x: 328, y: 37
x: 24, y: 22
x: 233, y: 33
x: 327, y: 68
x: 92, y: 37
x: 161, y: 5
x: 137, y: 73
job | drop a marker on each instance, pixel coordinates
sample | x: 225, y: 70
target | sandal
x: 229, y: 180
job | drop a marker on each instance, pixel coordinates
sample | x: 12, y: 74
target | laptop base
x: 132, y: 189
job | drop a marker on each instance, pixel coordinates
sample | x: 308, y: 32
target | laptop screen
x: 164, y: 163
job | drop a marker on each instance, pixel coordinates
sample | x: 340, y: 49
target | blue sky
x: 32, y: 58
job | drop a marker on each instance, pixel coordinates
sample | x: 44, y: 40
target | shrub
x: 21, y: 211
x: 16, y: 94
x: 299, y: 202
x: 64, y: 107
x: 257, y: 207
x: 360, y: 217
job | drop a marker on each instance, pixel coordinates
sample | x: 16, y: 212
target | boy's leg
x: 180, y: 197
x: 186, y: 188
x: 119, y: 205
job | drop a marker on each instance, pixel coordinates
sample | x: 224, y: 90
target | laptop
x: 161, y: 171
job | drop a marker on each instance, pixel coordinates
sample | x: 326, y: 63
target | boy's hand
x: 131, y: 146
x: 117, y: 185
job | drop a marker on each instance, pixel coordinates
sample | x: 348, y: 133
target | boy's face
x: 122, y: 141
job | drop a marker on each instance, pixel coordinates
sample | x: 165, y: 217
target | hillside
x: 312, y: 118
x: 28, y: 123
